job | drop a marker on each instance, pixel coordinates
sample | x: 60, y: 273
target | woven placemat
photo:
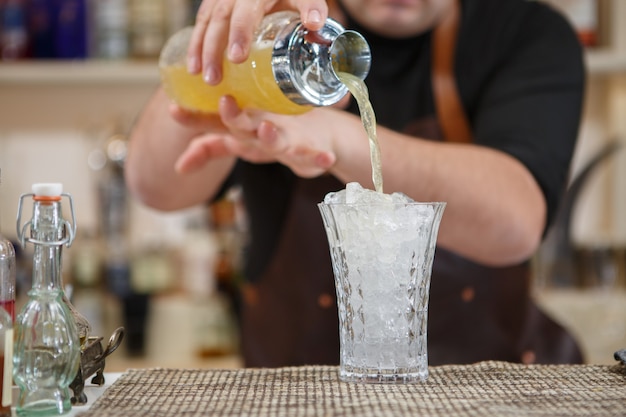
x: 483, y: 389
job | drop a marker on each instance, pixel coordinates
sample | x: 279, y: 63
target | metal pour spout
x: 306, y: 63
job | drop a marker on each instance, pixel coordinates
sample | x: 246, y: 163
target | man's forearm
x: 156, y: 142
x: 496, y: 210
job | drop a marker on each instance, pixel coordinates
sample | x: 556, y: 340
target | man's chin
x: 396, y: 24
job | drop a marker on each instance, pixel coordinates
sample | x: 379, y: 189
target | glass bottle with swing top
x: 46, y: 353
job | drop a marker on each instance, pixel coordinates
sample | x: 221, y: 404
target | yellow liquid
x: 357, y: 87
x: 251, y: 83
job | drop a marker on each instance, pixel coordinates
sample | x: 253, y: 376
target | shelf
x: 605, y: 62
x: 92, y: 72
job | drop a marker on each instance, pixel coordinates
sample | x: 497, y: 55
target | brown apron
x: 289, y: 316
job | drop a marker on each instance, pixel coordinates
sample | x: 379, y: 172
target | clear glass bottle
x: 6, y: 364
x: 289, y: 70
x: 47, y: 347
x: 8, y: 271
x: 7, y: 314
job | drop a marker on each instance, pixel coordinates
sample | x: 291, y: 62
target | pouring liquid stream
x: 359, y: 91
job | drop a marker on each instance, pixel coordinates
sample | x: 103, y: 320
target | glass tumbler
x: 382, y: 256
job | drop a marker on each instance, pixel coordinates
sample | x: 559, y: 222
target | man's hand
x: 225, y: 28
x: 302, y: 143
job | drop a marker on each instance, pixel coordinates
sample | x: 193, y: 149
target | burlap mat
x: 483, y: 389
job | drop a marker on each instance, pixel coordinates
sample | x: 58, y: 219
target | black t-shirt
x: 520, y: 75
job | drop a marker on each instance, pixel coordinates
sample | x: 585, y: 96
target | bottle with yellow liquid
x: 290, y: 69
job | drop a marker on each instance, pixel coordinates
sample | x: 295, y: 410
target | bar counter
x: 482, y: 389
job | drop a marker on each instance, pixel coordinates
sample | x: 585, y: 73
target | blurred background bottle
x: 147, y: 27
x: 78, y: 29
x: 178, y: 15
x: 41, y: 24
x: 14, y: 34
x: 71, y: 31
x: 6, y: 363
x: 7, y: 315
x: 7, y: 273
x: 110, y: 29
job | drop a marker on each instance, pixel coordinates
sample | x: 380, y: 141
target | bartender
x: 478, y: 104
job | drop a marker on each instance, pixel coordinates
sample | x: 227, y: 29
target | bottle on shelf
x: 8, y: 272
x: 289, y: 70
x: 212, y: 322
x: 6, y: 363
x: 47, y: 350
x: 147, y: 27
x: 71, y: 39
x: 178, y: 15
x: 41, y: 18
x: 7, y: 315
x: 114, y: 213
x: 110, y: 29
x: 14, y: 36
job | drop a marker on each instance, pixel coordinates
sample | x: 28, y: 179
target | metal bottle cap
x: 306, y: 63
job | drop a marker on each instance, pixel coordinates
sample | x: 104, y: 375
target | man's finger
x: 199, y: 152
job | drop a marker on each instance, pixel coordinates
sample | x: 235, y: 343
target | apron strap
x: 452, y: 118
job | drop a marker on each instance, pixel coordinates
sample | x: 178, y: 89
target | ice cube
x: 356, y: 194
x: 401, y: 198
x: 353, y: 192
x: 335, y: 197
